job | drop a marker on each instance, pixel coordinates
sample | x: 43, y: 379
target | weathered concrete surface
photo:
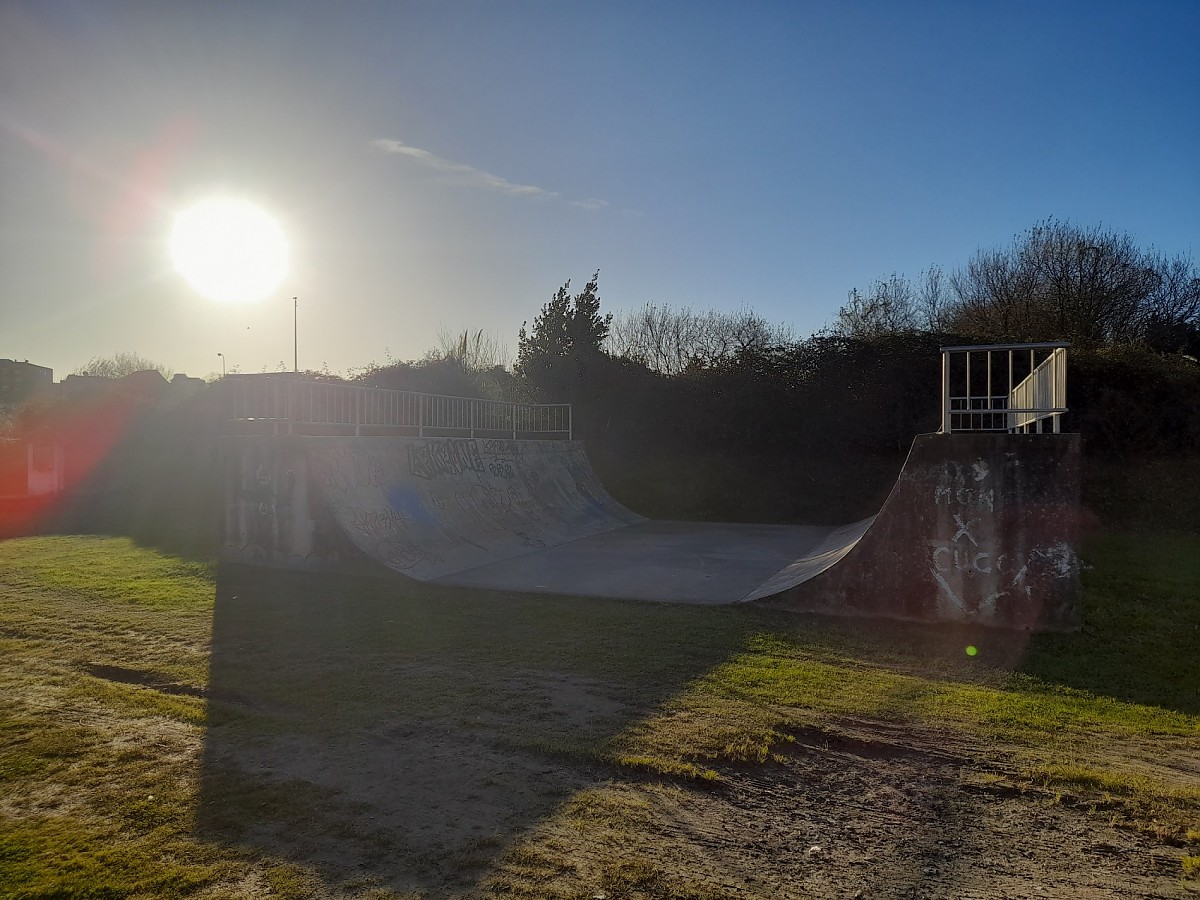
x: 274, y: 514
x: 979, y: 528
x: 680, y: 562
x: 425, y: 507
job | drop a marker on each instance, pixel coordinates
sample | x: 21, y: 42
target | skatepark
x: 980, y: 526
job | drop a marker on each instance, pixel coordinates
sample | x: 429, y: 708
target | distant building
x: 182, y: 380
x: 19, y: 381
x: 74, y: 385
x: 147, y: 384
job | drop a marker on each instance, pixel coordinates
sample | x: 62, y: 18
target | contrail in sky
x: 461, y: 173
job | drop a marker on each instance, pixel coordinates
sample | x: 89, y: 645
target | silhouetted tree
x: 567, y: 335
x: 1059, y: 281
x: 887, y: 306
x: 121, y: 364
x: 673, y: 341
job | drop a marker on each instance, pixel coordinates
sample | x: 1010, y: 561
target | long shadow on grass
x: 1141, y: 630
x: 383, y: 733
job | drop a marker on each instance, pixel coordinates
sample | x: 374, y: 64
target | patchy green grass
x: 106, y: 570
x: 1110, y: 692
x: 1191, y: 867
x: 130, y: 676
x: 1141, y: 632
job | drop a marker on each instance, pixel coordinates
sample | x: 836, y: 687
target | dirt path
x: 878, y: 813
x: 862, y: 810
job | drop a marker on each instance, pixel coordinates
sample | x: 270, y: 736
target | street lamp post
x: 295, y: 336
x: 222, y: 355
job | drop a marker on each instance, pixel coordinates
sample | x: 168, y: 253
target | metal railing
x: 284, y: 404
x: 1016, y: 388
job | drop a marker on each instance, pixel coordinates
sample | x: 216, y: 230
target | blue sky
x: 441, y: 166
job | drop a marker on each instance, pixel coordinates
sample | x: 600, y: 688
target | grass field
x: 170, y: 728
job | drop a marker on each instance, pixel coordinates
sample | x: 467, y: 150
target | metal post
x: 1009, y: 402
x: 970, y: 402
x: 295, y: 336
x: 945, y: 392
x: 1060, y: 370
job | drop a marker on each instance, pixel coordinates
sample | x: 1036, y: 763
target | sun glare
x: 229, y: 250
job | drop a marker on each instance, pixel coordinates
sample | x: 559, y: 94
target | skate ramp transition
x: 978, y: 528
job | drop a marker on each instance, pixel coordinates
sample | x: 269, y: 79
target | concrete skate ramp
x: 432, y: 507
x: 422, y: 507
x: 502, y: 514
x: 979, y: 528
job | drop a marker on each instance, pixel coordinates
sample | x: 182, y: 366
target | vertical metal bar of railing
x: 287, y: 405
x: 970, y: 420
x: 1010, y: 390
x: 945, y: 392
x: 1036, y: 423
x: 990, y: 423
x: 1060, y: 361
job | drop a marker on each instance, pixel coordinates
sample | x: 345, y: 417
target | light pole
x: 222, y: 355
x: 295, y: 336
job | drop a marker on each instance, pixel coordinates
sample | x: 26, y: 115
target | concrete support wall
x: 980, y: 528
x: 272, y: 514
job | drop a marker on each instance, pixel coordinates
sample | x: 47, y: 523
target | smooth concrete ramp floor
x: 681, y: 562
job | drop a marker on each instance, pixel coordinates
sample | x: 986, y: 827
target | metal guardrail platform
x: 1014, y: 388
x: 285, y: 404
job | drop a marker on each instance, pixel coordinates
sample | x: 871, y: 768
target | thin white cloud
x: 461, y: 173
x: 591, y: 204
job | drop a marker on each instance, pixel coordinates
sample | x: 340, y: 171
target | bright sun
x: 229, y: 250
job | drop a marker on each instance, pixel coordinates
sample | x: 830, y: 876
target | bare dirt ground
x: 896, y: 815
x: 860, y: 809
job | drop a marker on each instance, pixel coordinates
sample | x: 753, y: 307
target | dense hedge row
x: 811, y: 432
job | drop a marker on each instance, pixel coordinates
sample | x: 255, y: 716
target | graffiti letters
x: 403, y: 556
x: 344, y: 470
x: 501, y: 468
x: 505, y: 448
x: 435, y: 459
x: 964, y: 529
x: 952, y: 487
x: 377, y: 524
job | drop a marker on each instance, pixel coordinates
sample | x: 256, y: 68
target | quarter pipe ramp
x: 978, y: 528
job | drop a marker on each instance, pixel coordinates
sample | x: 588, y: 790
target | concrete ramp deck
x: 979, y: 528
